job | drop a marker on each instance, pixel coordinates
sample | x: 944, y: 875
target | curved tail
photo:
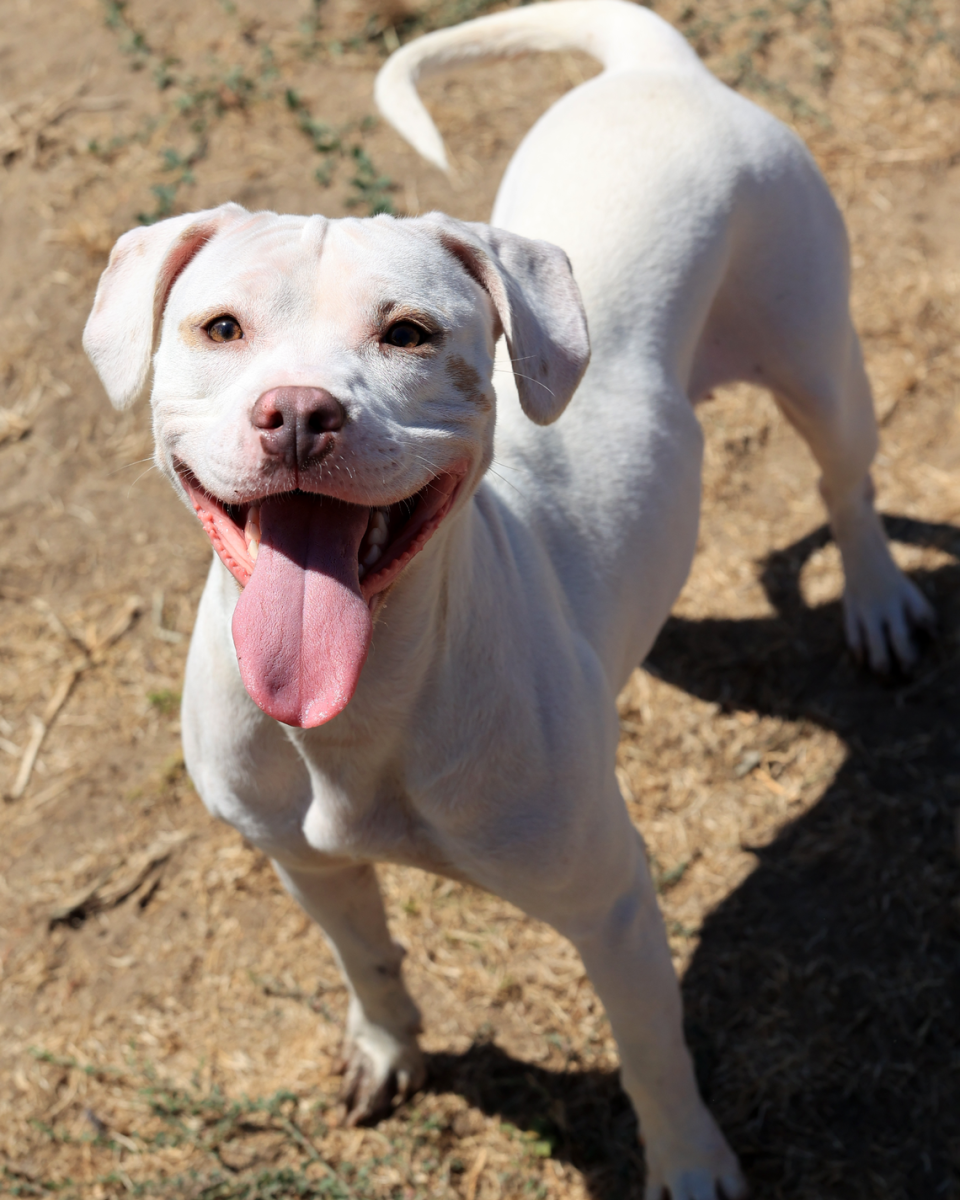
x: 621, y: 35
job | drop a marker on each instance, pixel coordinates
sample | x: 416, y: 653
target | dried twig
x: 24, y: 122
x: 13, y: 425
x: 94, y: 648
x: 63, y: 690
x: 38, y: 731
x: 159, y: 629
x: 96, y: 645
x: 120, y: 880
x: 45, y: 795
x: 472, y: 1177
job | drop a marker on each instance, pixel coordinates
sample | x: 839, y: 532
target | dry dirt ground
x: 170, y: 1021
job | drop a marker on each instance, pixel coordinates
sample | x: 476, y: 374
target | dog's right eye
x: 224, y: 329
x: 406, y: 335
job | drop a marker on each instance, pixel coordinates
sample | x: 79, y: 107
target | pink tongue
x: 301, y: 627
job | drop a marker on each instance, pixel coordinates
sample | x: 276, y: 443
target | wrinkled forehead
x: 312, y: 265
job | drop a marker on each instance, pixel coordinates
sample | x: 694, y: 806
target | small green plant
x: 310, y: 29
x: 207, y: 1122
x: 163, y: 75
x: 371, y: 188
x: 665, y: 880
x: 132, y: 41
x: 199, y: 102
x: 165, y: 194
x: 166, y: 701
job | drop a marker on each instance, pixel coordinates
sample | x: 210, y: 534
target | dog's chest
x: 373, y: 820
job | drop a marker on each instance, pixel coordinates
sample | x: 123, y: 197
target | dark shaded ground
x: 582, y: 1117
x: 824, y: 1000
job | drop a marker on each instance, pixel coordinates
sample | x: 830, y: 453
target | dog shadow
x: 823, y: 1001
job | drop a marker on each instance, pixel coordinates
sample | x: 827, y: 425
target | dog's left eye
x: 224, y: 329
x: 406, y: 335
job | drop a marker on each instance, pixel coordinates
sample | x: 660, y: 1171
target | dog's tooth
x: 251, y: 531
x: 376, y: 536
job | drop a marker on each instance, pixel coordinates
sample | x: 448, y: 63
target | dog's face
x: 322, y: 398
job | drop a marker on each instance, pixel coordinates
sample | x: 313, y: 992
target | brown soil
x: 170, y: 1019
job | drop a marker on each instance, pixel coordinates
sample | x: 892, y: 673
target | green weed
x: 369, y: 187
x: 209, y: 1123
x: 166, y: 701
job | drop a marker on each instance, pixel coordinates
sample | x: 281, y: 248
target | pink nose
x: 297, y: 424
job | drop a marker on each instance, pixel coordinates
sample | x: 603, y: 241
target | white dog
x: 400, y: 657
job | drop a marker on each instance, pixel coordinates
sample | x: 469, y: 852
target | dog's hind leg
x: 382, y: 1060
x: 834, y: 414
x: 781, y: 319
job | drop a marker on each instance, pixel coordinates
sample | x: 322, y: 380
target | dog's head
x: 322, y: 398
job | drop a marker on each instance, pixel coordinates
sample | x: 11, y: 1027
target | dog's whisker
x: 506, y: 482
x: 538, y: 382
x: 142, y: 475
x: 519, y: 468
x: 528, y: 379
x: 126, y: 466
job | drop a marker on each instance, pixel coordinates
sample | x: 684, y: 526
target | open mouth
x: 311, y: 568
x: 394, y: 534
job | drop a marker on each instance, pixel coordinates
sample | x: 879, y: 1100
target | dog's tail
x: 620, y: 34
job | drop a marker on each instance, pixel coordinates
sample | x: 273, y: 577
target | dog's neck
x: 369, y: 763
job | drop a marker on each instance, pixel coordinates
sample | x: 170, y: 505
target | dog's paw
x: 700, y: 1168
x: 379, y: 1071
x: 882, y: 610
x: 882, y: 619
x: 699, y: 1185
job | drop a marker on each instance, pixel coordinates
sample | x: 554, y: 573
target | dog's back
x: 655, y: 179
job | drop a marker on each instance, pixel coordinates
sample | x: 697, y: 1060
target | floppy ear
x: 539, y: 306
x: 124, y: 325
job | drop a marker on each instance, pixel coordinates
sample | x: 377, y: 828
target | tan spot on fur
x: 464, y: 378
x: 192, y: 333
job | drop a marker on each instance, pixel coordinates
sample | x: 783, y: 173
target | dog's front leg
x: 381, y: 1057
x: 623, y: 945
